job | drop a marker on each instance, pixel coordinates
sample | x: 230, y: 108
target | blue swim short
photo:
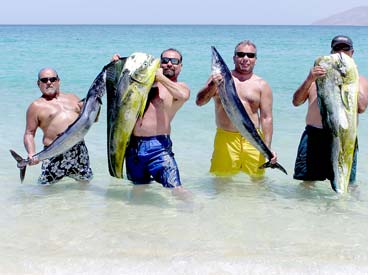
x: 151, y: 158
x: 73, y: 163
x: 313, y: 161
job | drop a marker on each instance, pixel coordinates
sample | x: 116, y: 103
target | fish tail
x: 21, y: 164
x: 276, y: 165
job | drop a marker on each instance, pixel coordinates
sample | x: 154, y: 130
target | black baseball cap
x: 341, y: 39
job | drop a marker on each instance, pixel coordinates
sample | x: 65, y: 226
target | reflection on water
x: 229, y: 225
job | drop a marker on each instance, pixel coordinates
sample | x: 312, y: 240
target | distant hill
x: 354, y: 17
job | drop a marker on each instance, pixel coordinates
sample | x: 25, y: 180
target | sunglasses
x: 47, y: 79
x: 173, y: 60
x: 341, y: 47
x: 249, y: 55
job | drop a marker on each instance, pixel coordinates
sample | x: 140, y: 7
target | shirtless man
x: 313, y: 162
x: 149, y: 154
x: 232, y: 152
x: 53, y: 112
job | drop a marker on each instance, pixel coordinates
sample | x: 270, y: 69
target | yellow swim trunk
x: 233, y: 153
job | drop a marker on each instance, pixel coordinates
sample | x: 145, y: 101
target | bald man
x: 53, y: 112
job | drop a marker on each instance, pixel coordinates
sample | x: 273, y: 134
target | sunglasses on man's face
x: 47, y: 79
x: 173, y: 60
x: 249, y: 55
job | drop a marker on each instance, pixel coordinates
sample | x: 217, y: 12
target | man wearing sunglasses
x: 149, y: 154
x: 53, y: 112
x: 313, y: 161
x: 232, y: 152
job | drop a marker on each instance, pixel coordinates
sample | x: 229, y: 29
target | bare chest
x: 59, y: 110
x: 249, y: 94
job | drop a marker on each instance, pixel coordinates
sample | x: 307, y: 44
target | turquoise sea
x: 109, y: 226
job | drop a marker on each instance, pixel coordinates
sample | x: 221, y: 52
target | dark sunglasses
x: 46, y: 79
x: 249, y: 55
x: 173, y: 60
x: 341, y: 47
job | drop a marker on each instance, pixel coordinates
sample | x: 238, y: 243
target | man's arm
x: 179, y: 90
x: 302, y: 93
x: 30, y: 132
x: 363, y: 94
x: 266, y: 118
x: 209, y: 90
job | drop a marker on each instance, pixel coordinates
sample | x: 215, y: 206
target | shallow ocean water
x: 228, y: 226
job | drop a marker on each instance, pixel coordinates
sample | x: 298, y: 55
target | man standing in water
x: 313, y: 161
x: 149, y: 154
x: 232, y: 152
x: 53, y: 112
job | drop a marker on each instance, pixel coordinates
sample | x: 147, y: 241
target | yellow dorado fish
x: 128, y: 85
x: 337, y: 95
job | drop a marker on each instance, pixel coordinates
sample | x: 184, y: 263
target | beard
x: 50, y: 91
x: 169, y: 73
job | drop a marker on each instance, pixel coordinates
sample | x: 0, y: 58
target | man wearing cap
x: 313, y: 159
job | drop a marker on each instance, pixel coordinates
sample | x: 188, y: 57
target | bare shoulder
x: 262, y: 84
x: 70, y: 96
x: 184, y: 85
x: 363, y: 82
x: 36, y: 107
x: 37, y: 104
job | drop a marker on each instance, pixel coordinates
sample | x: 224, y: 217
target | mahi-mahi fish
x: 337, y: 94
x: 126, y: 103
x: 236, y: 111
x: 76, y: 131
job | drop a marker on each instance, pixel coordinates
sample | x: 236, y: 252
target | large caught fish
x: 236, y: 111
x: 337, y: 94
x: 76, y: 131
x: 127, y: 97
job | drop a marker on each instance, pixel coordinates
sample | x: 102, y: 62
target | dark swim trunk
x: 74, y: 163
x: 151, y: 158
x: 313, y: 161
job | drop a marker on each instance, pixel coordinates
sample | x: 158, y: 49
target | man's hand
x: 32, y: 160
x: 317, y: 72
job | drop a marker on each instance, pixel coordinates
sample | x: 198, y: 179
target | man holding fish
x: 232, y: 151
x: 53, y: 112
x: 149, y: 154
x: 313, y: 161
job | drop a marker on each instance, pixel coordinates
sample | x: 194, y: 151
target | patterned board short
x: 74, y: 163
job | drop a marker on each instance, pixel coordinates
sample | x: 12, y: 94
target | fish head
x: 142, y: 67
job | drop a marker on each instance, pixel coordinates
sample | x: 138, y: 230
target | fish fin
x: 22, y: 173
x: 345, y: 99
x: 344, y: 123
x: 333, y: 186
x: 122, y: 84
x: 20, y: 164
x: 277, y: 165
x: 17, y: 157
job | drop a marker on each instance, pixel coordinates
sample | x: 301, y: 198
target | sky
x: 244, y: 12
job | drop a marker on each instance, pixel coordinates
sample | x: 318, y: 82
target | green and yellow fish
x: 128, y: 85
x: 337, y: 95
